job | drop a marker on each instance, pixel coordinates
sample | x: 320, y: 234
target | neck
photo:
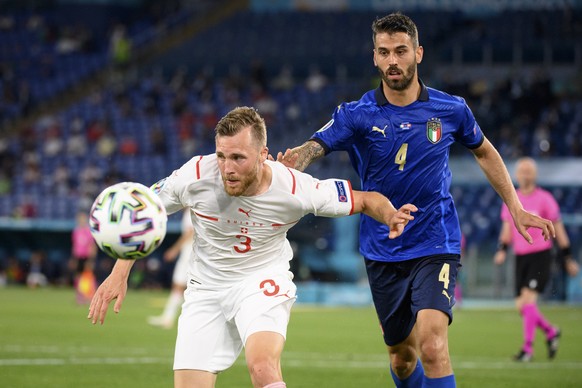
x: 264, y: 178
x: 527, y: 189
x: 402, y: 97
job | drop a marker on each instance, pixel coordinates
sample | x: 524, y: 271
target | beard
x: 402, y: 84
x: 244, y: 183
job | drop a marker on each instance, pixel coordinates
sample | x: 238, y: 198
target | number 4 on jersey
x: 401, y: 156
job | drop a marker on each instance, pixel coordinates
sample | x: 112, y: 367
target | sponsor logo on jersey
x: 405, y: 126
x: 326, y: 126
x: 446, y: 294
x: 245, y: 212
x: 434, y: 130
x: 382, y: 131
x: 341, y: 191
x: 158, y: 186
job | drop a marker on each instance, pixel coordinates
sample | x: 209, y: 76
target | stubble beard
x: 402, y: 84
x: 244, y: 184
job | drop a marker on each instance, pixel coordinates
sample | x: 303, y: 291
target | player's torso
x: 405, y: 151
x: 238, y: 235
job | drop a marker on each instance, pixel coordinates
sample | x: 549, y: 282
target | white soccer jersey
x: 240, y: 236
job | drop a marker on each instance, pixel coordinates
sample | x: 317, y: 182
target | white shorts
x: 214, y: 325
x: 180, y: 274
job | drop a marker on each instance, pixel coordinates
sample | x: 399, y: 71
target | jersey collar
x: 381, y: 99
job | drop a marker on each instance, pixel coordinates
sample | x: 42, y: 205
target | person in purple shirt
x: 398, y: 138
x: 533, y: 261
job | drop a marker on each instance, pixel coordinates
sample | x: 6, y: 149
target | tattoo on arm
x: 308, y: 152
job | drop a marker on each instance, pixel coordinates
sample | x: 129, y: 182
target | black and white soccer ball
x: 128, y: 221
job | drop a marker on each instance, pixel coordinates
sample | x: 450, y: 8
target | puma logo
x: 247, y: 213
x: 382, y: 131
x: 448, y: 297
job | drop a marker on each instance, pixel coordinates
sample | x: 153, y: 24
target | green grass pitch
x: 46, y: 341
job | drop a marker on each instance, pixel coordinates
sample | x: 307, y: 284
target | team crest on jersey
x: 326, y: 126
x: 158, y: 186
x: 434, y: 130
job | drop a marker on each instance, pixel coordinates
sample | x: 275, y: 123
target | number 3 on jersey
x: 244, y: 244
x: 400, y: 159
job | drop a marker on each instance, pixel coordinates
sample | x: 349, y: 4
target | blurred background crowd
x: 97, y: 92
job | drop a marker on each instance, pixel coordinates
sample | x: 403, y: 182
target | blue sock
x: 412, y: 381
x: 440, y: 382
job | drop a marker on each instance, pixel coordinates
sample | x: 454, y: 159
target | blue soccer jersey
x: 403, y: 153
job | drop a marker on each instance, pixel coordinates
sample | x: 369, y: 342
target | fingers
x: 118, y: 303
x: 270, y: 157
x: 408, y: 208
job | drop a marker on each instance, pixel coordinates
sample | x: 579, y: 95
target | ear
x: 419, y: 54
x: 374, y: 57
x: 264, y: 154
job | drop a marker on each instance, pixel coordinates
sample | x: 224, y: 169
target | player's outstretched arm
x: 300, y: 157
x: 114, y: 287
x: 380, y: 208
x: 492, y: 165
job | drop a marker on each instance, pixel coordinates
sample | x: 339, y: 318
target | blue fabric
x: 413, y: 381
x: 441, y: 382
x: 403, y: 153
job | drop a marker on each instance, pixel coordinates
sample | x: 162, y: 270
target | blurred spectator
x: 107, y: 144
x: 77, y: 141
x: 128, y: 146
x: 120, y: 46
x: 158, y: 142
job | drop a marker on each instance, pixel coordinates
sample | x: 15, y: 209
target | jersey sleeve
x: 469, y: 133
x: 327, y: 198
x: 338, y: 133
x: 552, y: 209
x: 165, y: 189
x: 505, y: 215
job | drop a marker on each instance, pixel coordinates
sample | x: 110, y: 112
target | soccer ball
x: 128, y: 221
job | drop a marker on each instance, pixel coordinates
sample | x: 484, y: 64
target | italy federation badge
x: 434, y: 130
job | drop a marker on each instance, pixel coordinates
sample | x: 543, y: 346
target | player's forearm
x: 492, y: 165
x: 307, y: 153
x: 561, y: 235
x: 122, y: 268
x: 374, y: 205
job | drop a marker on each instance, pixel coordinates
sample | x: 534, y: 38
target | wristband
x: 566, y: 252
x: 502, y: 246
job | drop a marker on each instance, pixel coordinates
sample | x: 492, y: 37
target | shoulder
x: 364, y: 106
x: 199, y: 168
x: 285, y: 179
x: 445, y: 99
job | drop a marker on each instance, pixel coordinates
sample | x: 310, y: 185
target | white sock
x: 173, y: 304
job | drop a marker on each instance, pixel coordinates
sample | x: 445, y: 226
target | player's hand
x: 525, y: 220
x: 114, y: 287
x: 400, y: 219
x: 289, y: 159
x: 499, y: 257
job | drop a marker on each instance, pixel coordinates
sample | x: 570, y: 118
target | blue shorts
x: 401, y: 289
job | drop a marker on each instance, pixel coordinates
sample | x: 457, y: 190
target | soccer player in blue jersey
x: 398, y: 138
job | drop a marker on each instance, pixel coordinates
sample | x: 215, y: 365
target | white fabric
x: 180, y: 274
x: 214, y: 325
x: 238, y: 236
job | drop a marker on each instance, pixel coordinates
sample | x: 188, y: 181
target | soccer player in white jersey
x: 182, y: 249
x: 240, y: 290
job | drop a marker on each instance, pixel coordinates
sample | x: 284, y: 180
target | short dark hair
x: 395, y: 22
x: 241, y: 117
